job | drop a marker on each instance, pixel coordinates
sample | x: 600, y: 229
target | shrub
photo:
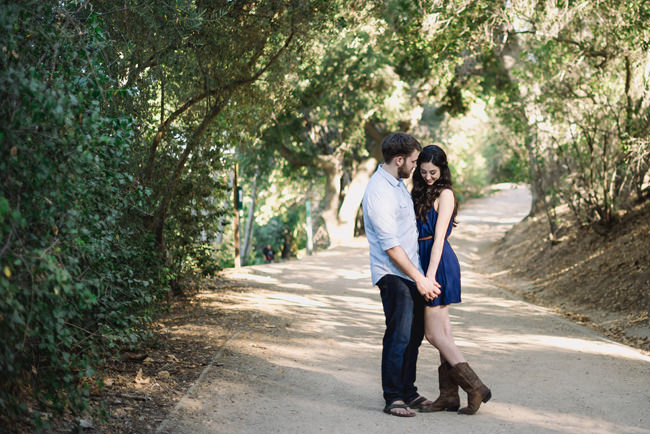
x: 75, y: 278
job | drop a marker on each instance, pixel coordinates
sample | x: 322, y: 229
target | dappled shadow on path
x: 308, y: 358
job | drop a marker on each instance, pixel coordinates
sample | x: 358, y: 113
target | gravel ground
x: 295, y: 347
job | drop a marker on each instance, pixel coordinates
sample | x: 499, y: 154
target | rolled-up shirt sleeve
x: 382, y: 212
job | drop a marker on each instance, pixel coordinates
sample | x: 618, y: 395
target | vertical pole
x: 248, y: 231
x: 235, y: 201
x: 310, y: 239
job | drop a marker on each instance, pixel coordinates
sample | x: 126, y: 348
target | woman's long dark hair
x: 424, y: 195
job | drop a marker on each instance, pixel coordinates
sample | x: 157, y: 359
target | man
x: 391, y: 230
x: 269, y: 253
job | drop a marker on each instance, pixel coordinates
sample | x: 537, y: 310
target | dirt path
x: 315, y: 368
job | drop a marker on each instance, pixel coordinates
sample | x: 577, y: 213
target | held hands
x: 429, y: 288
x: 432, y: 278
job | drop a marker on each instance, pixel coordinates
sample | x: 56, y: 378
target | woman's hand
x: 427, y: 288
x: 432, y: 278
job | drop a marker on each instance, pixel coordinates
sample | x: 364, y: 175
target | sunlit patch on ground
x: 560, y: 422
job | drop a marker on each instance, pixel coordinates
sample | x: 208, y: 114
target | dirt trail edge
x: 320, y: 371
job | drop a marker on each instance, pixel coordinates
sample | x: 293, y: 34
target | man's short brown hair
x: 399, y: 144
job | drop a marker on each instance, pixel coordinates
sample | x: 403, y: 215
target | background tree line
x: 126, y: 123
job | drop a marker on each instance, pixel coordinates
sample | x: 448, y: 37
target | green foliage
x: 568, y: 81
x: 76, y: 272
x: 586, y: 93
x: 284, y: 232
x: 505, y: 165
x: 199, y: 69
x: 279, y: 220
x: 344, y: 80
x: 433, y: 37
x: 194, y: 214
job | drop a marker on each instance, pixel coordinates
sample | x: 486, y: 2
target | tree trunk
x: 235, y: 220
x: 346, y: 216
x: 538, y: 196
x: 248, y: 234
x: 286, y: 244
x: 508, y: 59
x: 168, y: 193
x: 221, y: 226
x: 333, y: 169
x: 221, y: 223
x: 223, y: 93
x: 348, y: 213
x: 340, y: 223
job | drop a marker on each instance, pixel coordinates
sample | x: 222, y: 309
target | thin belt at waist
x: 430, y: 237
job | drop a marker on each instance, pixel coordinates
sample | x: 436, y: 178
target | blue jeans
x: 404, y: 311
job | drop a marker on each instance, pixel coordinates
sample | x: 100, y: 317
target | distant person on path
x: 436, y: 208
x: 390, y: 227
x: 268, y: 253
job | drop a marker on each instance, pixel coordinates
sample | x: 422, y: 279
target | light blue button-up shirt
x: 389, y: 221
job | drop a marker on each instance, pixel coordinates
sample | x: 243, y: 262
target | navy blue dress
x: 448, y: 274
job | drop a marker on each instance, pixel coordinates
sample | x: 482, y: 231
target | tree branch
x: 628, y: 81
x: 200, y: 97
x: 295, y: 159
x: 588, y: 51
x: 180, y: 166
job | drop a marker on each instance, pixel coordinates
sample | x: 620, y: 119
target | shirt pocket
x: 405, y: 209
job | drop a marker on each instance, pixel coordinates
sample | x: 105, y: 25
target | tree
x: 589, y: 98
x: 191, y: 60
x: 77, y: 277
x: 568, y: 83
x: 347, y: 89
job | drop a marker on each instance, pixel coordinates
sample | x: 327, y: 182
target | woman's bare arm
x: 446, y: 203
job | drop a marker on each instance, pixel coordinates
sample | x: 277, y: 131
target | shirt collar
x: 390, y: 178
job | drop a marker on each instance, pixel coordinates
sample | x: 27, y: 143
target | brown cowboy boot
x: 448, y: 399
x: 477, y: 392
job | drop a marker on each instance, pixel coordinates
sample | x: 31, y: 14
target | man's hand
x: 429, y: 288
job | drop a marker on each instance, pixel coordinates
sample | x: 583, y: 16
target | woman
x: 435, y: 208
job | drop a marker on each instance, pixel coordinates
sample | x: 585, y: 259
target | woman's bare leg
x: 437, y: 330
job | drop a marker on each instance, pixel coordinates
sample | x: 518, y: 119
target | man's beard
x: 403, y: 173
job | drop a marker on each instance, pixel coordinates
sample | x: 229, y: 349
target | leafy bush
x: 193, y: 221
x: 76, y: 278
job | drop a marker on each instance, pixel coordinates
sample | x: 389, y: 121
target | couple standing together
x: 418, y: 275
